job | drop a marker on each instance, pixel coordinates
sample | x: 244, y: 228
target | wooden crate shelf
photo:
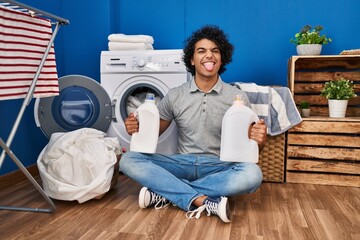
x: 324, y: 150
x: 307, y: 75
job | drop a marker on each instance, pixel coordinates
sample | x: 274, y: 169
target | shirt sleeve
x: 165, y: 108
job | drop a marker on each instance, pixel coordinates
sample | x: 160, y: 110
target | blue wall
x: 259, y: 29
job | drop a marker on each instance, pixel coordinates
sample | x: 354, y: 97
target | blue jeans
x: 181, y: 178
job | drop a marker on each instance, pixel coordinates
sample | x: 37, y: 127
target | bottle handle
x: 136, y: 115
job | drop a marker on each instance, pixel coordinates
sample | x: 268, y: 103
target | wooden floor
x: 275, y: 211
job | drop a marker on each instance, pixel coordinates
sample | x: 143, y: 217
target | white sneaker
x: 148, y: 198
x: 218, y: 206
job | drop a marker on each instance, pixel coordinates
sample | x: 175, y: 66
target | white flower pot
x: 305, y: 112
x: 337, y: 108
x: 309, y: 49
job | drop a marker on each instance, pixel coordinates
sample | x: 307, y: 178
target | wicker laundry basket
x: 272, y: 159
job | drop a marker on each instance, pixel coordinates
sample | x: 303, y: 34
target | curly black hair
x: 212, y: 33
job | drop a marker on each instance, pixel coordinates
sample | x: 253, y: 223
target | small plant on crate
x: 304, y: 105
x: 309, y: 41
x: 305, y: 108
x: 338, y: 92
x: 341, y: 89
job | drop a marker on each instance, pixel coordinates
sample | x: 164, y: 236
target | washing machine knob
x: 141, y: 62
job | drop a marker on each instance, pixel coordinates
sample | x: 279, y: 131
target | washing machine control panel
x: 141, y: 62
x: 146, y: 61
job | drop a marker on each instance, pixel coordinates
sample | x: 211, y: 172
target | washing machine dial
x: 141, y: 62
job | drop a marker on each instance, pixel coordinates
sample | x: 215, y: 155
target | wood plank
x: 316, y: 99
x: 327, y: 127
x: 17, y: 176
x: 323, y: 166
x: 350, y: 111
x: 328, y: 63
x: 327, y: 219
x: 323, y: 140
x: 314, y: 88
x: 321, y: 178
x: 324, y: 111
x: 325, y: 76
x: 327, y: 119
x: 341, y: 154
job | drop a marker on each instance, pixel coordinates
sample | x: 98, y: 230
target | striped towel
x: 273, y: 104
x: 23, y: 42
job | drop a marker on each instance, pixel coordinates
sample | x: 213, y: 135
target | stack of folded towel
x: 118, y: 42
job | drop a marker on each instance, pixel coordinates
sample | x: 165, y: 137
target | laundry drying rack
x: 56, y: 22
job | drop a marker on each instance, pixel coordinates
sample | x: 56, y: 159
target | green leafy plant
x: 341, y: 89
x: 307, y: 35
x: 304, y: 105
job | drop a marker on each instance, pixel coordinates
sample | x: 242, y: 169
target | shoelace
x: 210, y: 207
x: 158, y: 201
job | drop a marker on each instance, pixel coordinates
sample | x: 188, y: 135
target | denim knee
x: 249, y: 178
x: 127, y: 162
x: 256, y: 177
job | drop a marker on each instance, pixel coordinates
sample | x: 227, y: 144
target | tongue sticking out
x: 209, y: 66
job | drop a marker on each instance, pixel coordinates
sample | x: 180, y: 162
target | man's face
x: 206, y: 59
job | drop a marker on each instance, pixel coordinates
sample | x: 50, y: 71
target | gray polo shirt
x: 198, y: 115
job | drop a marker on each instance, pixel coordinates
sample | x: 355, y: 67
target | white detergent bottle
x: 235, y: 143
x: 146, y: 139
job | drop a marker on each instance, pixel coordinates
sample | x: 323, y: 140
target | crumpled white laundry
x: 78, y: 165
x: 134, y: 101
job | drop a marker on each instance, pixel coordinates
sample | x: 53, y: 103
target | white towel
x: 124, y: 46
x: 119, y: 37
x: 23, y: 41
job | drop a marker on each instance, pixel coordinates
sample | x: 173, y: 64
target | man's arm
x: 163, y: 125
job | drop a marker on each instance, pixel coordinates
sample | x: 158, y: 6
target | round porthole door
x: 81, y: 103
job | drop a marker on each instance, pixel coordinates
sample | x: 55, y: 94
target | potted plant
x: 309, y: 41
x: 305, y: 108
x: 338, y: 92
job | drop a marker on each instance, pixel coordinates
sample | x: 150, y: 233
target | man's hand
x: 131, y: 124
x: 258, y: 133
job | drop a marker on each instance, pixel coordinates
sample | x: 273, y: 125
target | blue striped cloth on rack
x: 273, y: 104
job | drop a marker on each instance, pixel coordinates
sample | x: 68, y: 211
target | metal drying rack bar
x: 57, y: 21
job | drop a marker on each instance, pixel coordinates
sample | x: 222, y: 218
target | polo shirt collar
x: 217, y: 88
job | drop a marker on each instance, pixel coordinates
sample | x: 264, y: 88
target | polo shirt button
x: 203, y: 110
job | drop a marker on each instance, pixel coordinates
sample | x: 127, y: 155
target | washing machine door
x: 127, y: 95
x: 82, y: 103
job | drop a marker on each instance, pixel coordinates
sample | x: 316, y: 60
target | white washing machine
x: 84, y: 102
x: 126, y: 75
